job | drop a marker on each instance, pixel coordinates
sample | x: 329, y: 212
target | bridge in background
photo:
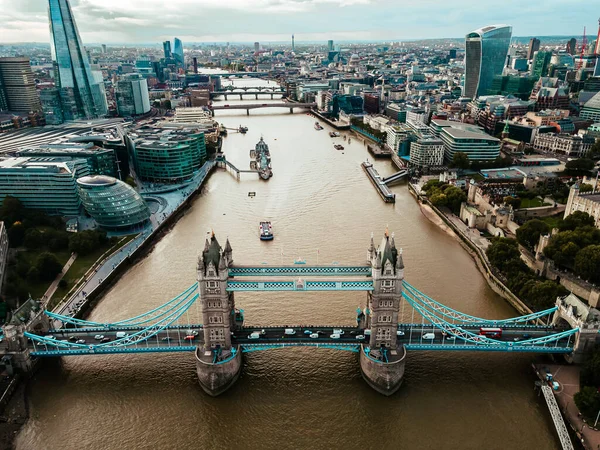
x: 382, y: 336
x: 291, y: 106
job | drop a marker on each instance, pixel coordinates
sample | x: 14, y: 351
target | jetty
x: 384, y: 192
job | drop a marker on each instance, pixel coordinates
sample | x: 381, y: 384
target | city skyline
x: 115, y: 21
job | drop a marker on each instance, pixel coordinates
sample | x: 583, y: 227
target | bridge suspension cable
x: 132, y: 339
x: 140, y: 320
x: 469, y: 336
x: 458, y: 316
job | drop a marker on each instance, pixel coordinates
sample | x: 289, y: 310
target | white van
x: 335, y: 336
x: 254, y: 335
x: 429, y: 336
x: 289, y: 331
x: 367, y: 332
x: 314, y: 336
x: 121, y: 334
x: 338, y: 331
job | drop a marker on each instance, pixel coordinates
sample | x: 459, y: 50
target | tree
x: 11, y: 211
x: 431, y: 184
x: 460, y: 160
x: 515, y: 202
x: 57, y: 240
x: 542, y: 294
x: 439, y: 199
x: 504, y: 254
x: 33, y: 275
x: 455, y: 197
x: 16, y: 235
x: 587, y: 263
x: 529, y: 233
x: 580, y: 164
x: 33, y: 239
x: 585, y: 187
x: 588, y: 401
x: 130, y: 181
x: 63, y: 284
x: 575, y: 220
x: 48, y: 266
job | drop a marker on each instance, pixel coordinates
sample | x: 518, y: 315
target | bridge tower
x: 218, y: 363
x: 382, y: 362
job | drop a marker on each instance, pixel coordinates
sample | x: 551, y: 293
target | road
x: 174, y: 339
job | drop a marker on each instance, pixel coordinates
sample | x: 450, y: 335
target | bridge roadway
x: 172, y: 339
x: 263, y: 105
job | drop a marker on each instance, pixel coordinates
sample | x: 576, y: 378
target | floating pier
x: 384, y: 192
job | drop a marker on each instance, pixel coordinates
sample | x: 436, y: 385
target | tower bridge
x: 381, y: 337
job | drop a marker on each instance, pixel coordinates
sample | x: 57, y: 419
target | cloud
x: 147, y: 21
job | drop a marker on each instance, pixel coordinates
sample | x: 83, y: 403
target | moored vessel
x: 318, y: 126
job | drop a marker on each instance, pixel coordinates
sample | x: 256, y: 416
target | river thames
x: 321, y: 205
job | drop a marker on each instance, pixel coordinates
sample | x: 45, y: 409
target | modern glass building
x: 170, y: 156
x: 46, y: 185
x: 81, y: 89
x: 591, y: 109
x: 18, y: 85
x: 469, y: 139
x: 114, y: 205
x: 178, y: 51
x: 485, y: 55
x: 132, y: 95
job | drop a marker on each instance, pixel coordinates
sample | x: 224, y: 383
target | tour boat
x: 338, y: 147
x: 334, y: 134
x: 318, y: 126
x: 242, y: 129
x: 266, y: 231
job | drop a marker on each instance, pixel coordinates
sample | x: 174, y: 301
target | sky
x: 153, y: 21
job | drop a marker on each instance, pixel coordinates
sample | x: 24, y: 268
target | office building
x: 539, y: 66
x: 572, y: 46
x: 178, y: 52
x: 426, y: 151
x: 549, y: 93
x: 563, y: 144
x: 293, y: 44
x: 485, y: 55
x: 167, y: 156
x: 330, y: 45
x: 167, y: 49
x: 131, y: 94
x: 591, y: 109
x: 534, y: 46
x: 45, y: 185
x: 100, y: 161
x: 469, y: 139
x: 18, y: 86
x: 104, y: 48
x: 114, y: 205
x: 81, y: 88
x: 256, y: 47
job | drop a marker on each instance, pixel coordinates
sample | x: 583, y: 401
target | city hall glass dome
x: 112, y: 203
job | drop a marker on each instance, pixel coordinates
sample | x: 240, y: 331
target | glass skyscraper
x: 81, y: 89
x: 485, y: 55
x: 178, y: 51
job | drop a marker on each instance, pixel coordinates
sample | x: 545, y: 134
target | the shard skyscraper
x: 80, y: 89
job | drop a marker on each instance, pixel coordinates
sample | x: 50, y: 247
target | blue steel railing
x: 250, y: 286
x: 298, y: 270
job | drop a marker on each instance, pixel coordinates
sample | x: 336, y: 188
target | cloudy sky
x: 149, y: 21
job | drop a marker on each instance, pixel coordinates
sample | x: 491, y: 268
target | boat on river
x: 266, y: 231
x: 334, y: 134
x: 318, y: 126
x: 262, y: 158
x: 338, y: 147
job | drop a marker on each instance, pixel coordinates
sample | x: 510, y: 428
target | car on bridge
x: 99, y: 337
x: 360, y: 337
x: 314, y: 336
x: 289, y: 331
x: 80, y: 341
x: 338, y: 331
x: 190, y: 337
x: 335, y: 336
x: 399, y: 333
x: 254, y: 335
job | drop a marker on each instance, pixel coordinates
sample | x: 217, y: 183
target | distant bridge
x: 250, y: 106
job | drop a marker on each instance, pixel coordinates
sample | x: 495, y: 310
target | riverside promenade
x: 99, y: 275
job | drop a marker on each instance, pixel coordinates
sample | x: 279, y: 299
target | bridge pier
x: 256, y: 96
x: 247, y: 112
x: 385, y: 378
x: 216, y: 378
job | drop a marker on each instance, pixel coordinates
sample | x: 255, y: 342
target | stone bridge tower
x: 218, y: 362
x: 382, y: 362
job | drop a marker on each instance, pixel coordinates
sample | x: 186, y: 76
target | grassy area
x: 552, y: 221
x: 81, y: 265
x: 533, y: 203
x: 38, y: 288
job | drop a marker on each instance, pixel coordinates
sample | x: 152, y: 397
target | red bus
x: 491, y: 332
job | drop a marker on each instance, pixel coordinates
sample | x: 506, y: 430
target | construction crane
x: 597, y: 49
x: 583, y: 46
